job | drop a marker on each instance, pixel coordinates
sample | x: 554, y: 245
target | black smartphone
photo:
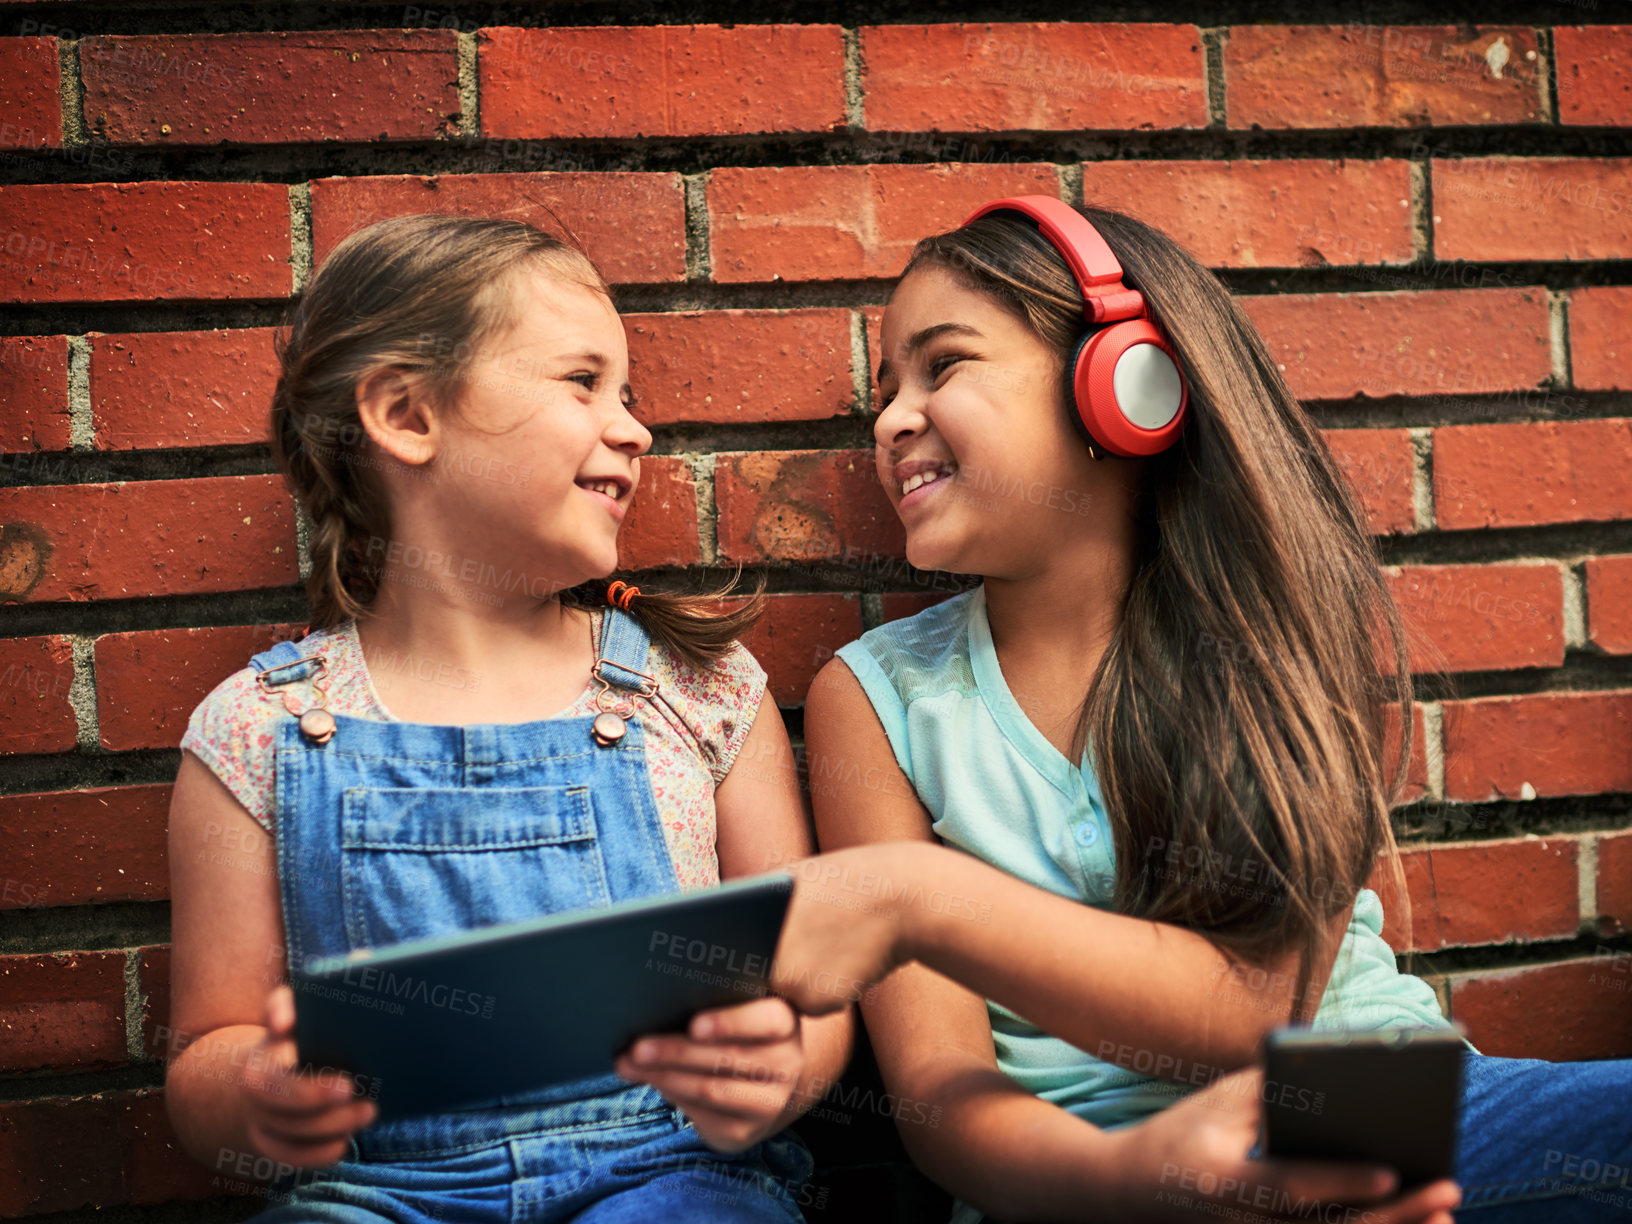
x: 1386, y: 1097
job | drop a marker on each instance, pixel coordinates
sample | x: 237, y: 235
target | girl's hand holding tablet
x: 303, y: 1119
x: 733, y: 1073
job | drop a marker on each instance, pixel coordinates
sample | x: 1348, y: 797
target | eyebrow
x: 923, y: 337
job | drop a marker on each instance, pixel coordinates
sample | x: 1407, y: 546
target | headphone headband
x: 1105, y: 299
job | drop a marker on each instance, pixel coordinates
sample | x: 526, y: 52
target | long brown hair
x: 421, y: 294
x: 1237, y: 719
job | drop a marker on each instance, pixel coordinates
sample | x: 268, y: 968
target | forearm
x: 827, y: 1041
x: 1011, y: 1154
x: 1119, y: 988
x: 201, y: 1091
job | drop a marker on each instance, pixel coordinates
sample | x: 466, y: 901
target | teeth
x: 608, y: 487
x: 921, y: 478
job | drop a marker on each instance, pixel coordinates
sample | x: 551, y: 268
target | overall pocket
x: 420, y: 861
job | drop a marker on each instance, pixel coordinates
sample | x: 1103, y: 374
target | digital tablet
x: 453, y: 1020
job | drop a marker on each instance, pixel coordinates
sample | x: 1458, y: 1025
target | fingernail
x: 703, y: 1026
x: 1384, y: 1182
x: 643, y: 1052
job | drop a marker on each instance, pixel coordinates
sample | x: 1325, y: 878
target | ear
x: 398, y: 416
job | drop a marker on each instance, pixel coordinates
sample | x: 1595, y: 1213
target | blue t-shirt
x: 996, y: 787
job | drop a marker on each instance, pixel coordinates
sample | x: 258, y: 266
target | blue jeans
x: 625, y: 1172
x: 1545, y: 1142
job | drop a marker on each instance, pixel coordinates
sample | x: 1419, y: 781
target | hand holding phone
x: 1389, y: 1097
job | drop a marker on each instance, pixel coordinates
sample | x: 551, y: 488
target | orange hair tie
x: 621, y: 600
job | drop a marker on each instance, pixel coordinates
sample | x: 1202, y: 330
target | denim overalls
x: 390, y: 831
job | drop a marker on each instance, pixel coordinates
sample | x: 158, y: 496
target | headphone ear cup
x: 1128, y: 389
x: 1076, y: 405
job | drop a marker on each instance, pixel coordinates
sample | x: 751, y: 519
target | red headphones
x: 1126, y: 389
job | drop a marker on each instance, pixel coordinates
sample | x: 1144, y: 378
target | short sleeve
x: 718, y: 704
x: 881, y: 693
x: 233, y: 731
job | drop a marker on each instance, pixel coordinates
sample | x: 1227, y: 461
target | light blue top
x: 996, y: 788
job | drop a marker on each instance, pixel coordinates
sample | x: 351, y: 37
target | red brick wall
x: 1424, y: 221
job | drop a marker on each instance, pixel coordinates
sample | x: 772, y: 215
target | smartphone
x: 1386, y: 1097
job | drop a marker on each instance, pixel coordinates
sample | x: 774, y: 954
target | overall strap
x: 625, y: 646
x: 283, y: 664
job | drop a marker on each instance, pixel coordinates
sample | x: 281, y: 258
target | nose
x: 903, y: 418
x: 627, y: 434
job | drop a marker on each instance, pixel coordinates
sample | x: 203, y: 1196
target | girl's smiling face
x: 540, y: 463
x: 972, y: 406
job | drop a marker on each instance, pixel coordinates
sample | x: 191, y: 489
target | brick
x: 31, y: 107
x: 105, y: 1150
x: 803, y: 506
x: 1290, y: 76
x: 157, y: 1170
x: 816, y: 223
x: 63, y: 1152
x: 1594, y: 74
x: 36, y: 676
x: 153, y: 981
x: 1609, y: 603
x: 1547, y: 744
x: 131, y: 242
x: 1490, y: 892
x: 1600, y: 351
x: 603, y: 210
x: 898, y: 604
x: 1377, y: 464
x: 1479, y: 617
x: 1523, y: 475
x: 1268, y: 214
x: 1033, y: 76
x: 148, y: 682
x: 1614, y: 884
x: 34, y: 408
x: 1531, y: 208
x: 162, y: 389
x: 661, y: 526
x: 86, y: 847
x: 271, y: 87
x: 1434, y: 342
x: 1559, y: 1012
x: 1415, y: 785
x: 799, y: 633
x: 158, y: 537
x: 63, y: 1010
x: 658, y: 81
x: 732, y: 367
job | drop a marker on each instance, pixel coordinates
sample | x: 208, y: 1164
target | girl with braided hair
x: 453, y: 416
